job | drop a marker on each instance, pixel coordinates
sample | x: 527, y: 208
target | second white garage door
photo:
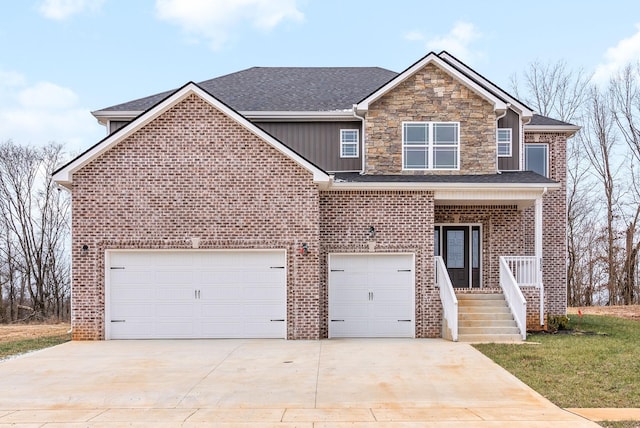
x: 196, y: 294
x: 371, y: 295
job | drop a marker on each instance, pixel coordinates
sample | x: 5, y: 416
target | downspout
x: 362, y: 152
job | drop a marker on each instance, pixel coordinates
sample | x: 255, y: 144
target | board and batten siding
x: 318, y: 142
x: 511, y: 120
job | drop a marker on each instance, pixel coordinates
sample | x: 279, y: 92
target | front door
x: 455, y: 251
x: 459, y: 246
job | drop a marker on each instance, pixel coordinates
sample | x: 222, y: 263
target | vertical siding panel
x: 319, y: 142
x: 511, y: 120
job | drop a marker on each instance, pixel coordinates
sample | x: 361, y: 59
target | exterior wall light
x: 372, y: 232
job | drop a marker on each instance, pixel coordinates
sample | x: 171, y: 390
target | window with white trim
x: 430, y: 145
x: 349, y: 143
x: 504, y: 142
x: 536, y: 158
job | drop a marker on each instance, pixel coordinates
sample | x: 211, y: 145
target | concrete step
x: 488, y: 330
x: 491, y: 296
x: 489, y: 338
x: 484, y: 316
x: 486, y: 323
x: 487, y: 303
x: 483, y: 309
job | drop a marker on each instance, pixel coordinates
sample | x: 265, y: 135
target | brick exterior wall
x: 431, y: 95
x: 403, y: 223
x: 193, y: 172
x: 554, y: 229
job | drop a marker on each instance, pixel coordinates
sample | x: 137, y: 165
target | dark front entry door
x: 455, y: 252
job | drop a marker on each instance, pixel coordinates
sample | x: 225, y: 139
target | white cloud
x: 458, y: 41
x: 626, y: 51
x: 42, y: 112
x: 63, y: 9
x: 45, y: 95
x: 214, y: 20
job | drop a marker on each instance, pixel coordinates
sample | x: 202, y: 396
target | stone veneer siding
x: 403, y: 221
x: 430, y: 95
x: 193, y: 172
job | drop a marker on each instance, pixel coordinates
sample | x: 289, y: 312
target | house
x: 307, y: 203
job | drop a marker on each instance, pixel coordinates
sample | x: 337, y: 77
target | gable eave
x: 64, y: 175
x: 525, y: 111
x: 499, y: 105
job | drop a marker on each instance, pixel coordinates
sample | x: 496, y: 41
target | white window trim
x: 546, y: 146
x: 350, y: 143
x: 510, y: 142
x: 430, y: 146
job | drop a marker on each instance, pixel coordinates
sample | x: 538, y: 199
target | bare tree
x: 35, y: 227
x: 625, y: 97
x: 598, y: 140
x: 554, y: 90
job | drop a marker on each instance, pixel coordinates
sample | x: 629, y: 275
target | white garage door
x: 196, y: 294
x: 371, y: 295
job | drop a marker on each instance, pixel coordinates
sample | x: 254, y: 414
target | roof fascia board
x: 448, y: 187
x: 525, y: 111
x: 498, y: 104
x: 567, y: 129
x: 64, y: 176
x: 337, y: 115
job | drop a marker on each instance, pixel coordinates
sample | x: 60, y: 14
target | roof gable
x: 499, y: 105
x: 64, y: 175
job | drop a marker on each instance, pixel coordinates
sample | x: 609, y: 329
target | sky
x: 62, y: 59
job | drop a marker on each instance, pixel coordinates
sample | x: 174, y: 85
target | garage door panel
x: 197, y: 294
x: 371, y: 295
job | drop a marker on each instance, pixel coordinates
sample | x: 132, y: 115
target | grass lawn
x: 579, y: 370
x: 15, y: 347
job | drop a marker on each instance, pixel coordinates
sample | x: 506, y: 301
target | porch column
x: 538, y: 249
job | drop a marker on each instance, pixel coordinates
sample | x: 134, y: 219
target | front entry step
x: 485, y: 318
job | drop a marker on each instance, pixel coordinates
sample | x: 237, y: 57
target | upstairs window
x: 536, y: 158
x: 504, y: 142
x: 349, y: 143
x: 430, y: 145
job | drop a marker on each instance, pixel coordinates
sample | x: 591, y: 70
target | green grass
x: 8, y: 349
x: 620, y: 424
x: 579, y: 370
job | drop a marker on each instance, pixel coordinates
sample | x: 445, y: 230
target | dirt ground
x: 13, y: 332
x: 631, y: 312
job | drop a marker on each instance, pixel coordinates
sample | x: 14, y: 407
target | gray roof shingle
x: 285, y: 89
x: 293, y: 89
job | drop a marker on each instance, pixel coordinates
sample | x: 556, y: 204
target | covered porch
x: 488, y: 252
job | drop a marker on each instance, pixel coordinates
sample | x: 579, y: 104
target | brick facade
x: 431, y: 95
x: 554, y: 208
x: 403, y: 223
x: 193, y: 172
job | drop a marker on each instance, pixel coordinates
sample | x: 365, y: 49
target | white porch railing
x: 513, y: 296
x: 448, y: 299
x: 525, y: 270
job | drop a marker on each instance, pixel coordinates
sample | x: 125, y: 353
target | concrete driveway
x: 269, y: 383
